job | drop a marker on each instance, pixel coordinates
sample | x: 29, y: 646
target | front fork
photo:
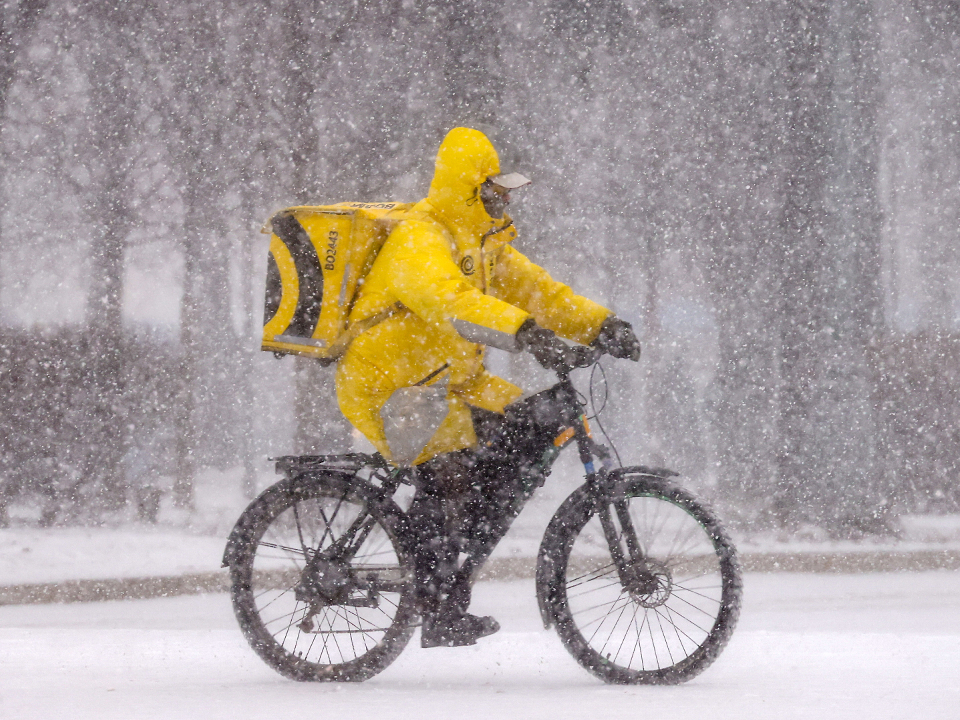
x: 626, y: 559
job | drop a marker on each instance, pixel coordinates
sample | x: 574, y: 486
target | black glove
x: 618, y: 339
x: 549, y: 350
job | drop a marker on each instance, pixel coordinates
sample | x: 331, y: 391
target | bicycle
x: 638, y: 576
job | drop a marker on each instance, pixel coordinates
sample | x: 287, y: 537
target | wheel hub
x: 649, y: 583
x: 325, y: 582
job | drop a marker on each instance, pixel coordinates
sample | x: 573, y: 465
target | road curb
x: 143, y: 588
x: 852, y: 562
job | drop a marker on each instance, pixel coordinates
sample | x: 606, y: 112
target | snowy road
x: 808, y: 646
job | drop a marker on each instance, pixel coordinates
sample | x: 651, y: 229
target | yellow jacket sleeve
x: 553, y: 305
x: 425, y: 279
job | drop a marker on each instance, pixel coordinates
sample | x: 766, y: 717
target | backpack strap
x: 356, y: 329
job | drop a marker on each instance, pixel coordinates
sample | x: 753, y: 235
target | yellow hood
x: 466, y: 158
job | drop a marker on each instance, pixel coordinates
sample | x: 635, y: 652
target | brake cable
x: 593, y: 406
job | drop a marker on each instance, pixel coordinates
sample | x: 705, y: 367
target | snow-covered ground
x: 872, y: 645
x: 34, y: 555
x: 877, y: 645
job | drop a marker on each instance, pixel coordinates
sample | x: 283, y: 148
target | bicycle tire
x: 342, y: 640
x: 663, y: 632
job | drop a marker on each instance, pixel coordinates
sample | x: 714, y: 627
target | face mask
x: 495, y: 199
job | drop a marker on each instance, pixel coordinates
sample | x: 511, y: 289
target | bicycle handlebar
x: 581, y: 356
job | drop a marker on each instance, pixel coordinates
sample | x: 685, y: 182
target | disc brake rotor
x: 649, y: 583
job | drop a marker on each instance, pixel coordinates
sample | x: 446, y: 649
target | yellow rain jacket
x: 447, y: 264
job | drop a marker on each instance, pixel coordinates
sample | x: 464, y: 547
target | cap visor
x: 510, y: 181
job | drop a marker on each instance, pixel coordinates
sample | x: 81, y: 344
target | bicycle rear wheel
x: 659, y: 619
x: 322, y: 584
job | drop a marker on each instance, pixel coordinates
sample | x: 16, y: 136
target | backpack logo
x: 331, y: 256
x: 466, y: 265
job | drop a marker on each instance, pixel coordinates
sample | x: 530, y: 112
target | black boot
x: 451, y: 627
x: 448, y: 624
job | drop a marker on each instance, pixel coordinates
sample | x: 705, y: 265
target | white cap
x: 510, y: 181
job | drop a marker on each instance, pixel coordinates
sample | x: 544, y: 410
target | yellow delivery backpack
x: 319, y: 256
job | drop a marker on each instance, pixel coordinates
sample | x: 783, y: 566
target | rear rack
x: 291, y: 464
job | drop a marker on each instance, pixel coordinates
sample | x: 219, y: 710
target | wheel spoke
x: 296, y: 518
x: 290, y: 550
x: 357, y: 627
x: 637, y: 646
x: 670, y: 612
x: 264, y: 592
x: 604, y: 619
x: 579, y: 580
x: 697, y: 607
x: 328, y: 524
x: 663, y: 633
x: 599, y: 588
x: 313, y: 640
x: 613, y: 609
x: 280, y: 618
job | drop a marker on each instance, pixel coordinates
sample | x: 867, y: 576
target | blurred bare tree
x: 714, y: 172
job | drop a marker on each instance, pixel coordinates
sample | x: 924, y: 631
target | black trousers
x: 467, y: 500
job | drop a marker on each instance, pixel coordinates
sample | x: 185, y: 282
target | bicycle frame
x: 625, y: 549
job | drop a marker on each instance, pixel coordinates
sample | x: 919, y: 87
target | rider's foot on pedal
x: 455, y: 629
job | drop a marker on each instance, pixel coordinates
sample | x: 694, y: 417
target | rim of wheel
x: 662, y: 614
x: 323, y: 613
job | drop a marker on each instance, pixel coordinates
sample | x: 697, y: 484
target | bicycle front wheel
x: 322, y: 585
x: 664, y: 612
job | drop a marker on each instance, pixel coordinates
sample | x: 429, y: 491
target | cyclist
x: 449, y: 282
